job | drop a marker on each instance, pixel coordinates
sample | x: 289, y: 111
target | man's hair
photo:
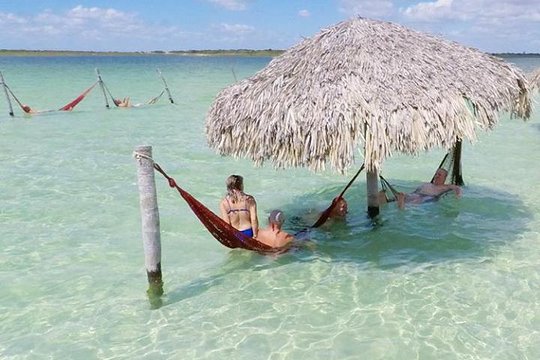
x: 276, y: 217
x: 443, y: 169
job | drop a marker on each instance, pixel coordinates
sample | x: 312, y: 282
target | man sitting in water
x: 428, y: 191
x: 273, y: 235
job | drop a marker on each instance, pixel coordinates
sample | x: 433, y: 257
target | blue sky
x: 122, y: 25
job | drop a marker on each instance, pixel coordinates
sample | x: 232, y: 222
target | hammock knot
x: 172, y: 183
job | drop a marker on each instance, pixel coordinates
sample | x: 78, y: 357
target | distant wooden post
x: 372, y: 183
x: 7, y: 95
x: 150, y: 220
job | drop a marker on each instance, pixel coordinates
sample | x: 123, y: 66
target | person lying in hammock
x: 340, y: 209
x: 125, y: 102
x: 273, y: 235
x: 430, y: 191
x: 27, y: 109
x: 239, y: 209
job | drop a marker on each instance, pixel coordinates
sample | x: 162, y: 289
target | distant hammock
x: 68, y: 107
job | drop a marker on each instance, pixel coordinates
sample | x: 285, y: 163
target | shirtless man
x: 273, y: 235
x: 429, y: 191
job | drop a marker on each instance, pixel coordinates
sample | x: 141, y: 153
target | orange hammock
x: 221, y: 230
x: 68, y: 107
x: 71, y: 105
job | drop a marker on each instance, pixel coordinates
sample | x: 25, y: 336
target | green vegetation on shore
x: 236, y: 52
x: 239, y: 52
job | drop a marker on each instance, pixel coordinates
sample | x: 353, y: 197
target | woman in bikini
x: 238, y: 208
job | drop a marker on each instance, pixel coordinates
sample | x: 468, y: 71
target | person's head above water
x: 235, y: 182
x: 440, y: 176
x: 276, y: 218
x: 340, y: 208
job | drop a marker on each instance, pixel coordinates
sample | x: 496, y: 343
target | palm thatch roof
x: 367, y: 87
x: 534, y: 79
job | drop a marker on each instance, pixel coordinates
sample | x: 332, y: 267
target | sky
x: 135, y: 25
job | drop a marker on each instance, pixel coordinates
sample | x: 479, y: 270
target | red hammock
x: 221, y: 230
x: 75, y: 102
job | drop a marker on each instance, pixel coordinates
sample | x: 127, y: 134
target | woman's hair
x: 235, y: 183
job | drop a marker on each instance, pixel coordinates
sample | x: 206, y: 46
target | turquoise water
x: 457, y: 279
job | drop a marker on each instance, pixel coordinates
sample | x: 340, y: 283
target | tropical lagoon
x: 455, y: 279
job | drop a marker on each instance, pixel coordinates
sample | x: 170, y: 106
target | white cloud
x: 433, y: 11
x: 85, y: 28
x: 226, y: 35
x: 304, y: 13
x: 490, y: 24
x: 234, y: 29
x: 236, y: 5
x: 367, y: 8
x: 475, y: 10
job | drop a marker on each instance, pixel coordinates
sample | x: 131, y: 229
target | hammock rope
x: 385, y: 186
x: 222, y: 231
x: 154, y: 100
x: 15, y: 97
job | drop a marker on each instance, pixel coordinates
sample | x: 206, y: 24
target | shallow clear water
x: 453, y: 279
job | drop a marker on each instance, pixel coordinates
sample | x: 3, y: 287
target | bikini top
x: 236, y: 210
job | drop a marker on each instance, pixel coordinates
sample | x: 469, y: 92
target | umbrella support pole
x: 150, y: 223
x: 372, y: 184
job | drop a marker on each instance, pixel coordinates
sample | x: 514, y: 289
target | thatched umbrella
x: 534, y: 79
x: 364, y: 84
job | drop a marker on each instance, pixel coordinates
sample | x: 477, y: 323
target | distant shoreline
x: 240, y: 52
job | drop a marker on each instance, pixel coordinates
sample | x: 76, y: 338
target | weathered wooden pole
x: 457, y: 177
x: 7, y: 95
x: 102, y: 85
x: 372, y: 177
x: 372, y: 184
x: 150, y: 220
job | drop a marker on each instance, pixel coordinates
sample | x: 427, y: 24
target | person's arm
x: 253, y: 216
x: 455, y: 188
x: 223, y: 211
x: 400, y: 197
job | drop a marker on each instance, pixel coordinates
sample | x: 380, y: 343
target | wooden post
x: 457, y: 178
x: 102, y: 85
x: 166, y: 86
x: 372, y: 183
x: 150, y: 220
x: 7, y: 95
